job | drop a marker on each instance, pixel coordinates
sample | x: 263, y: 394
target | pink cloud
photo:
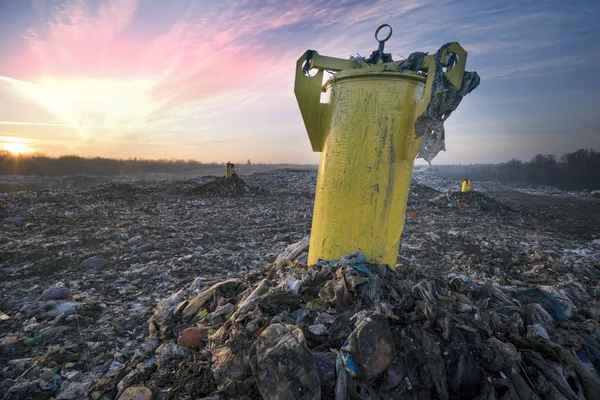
x: 77, y: 43
x: 204, y: 54
x: 194, y: 60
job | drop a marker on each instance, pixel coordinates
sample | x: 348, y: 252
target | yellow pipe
x: 366, y: 167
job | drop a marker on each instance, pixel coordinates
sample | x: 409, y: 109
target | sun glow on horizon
x: 17, y: 148
x: 16, y: 145
x: 88, y: 105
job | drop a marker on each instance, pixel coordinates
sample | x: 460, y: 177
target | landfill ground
x: 192, y: 287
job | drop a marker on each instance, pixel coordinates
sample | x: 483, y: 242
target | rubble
x: 55, y: 293
x: 193, y: 301
x: 94, y: 263
x: 227, y: 187
x: 136, y: 393
x: 426, y: 175
x: 472, y: 201
x: 282, y: 364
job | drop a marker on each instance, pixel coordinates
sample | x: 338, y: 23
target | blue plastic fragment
x: 353, y: 258
x: 150, y: 362
x: 350, y: 365
x: 54, y: 385
x: 362, y: 268
x: 481, y: 290
x: 583, y: 357
x: 346, y: 261
x: 547, y: 300
x: 300, y: 314
x: 18, y: 218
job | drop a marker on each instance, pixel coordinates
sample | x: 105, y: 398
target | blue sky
x: 213, y: 81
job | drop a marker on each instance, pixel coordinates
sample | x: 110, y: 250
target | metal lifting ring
x: 388, y: 36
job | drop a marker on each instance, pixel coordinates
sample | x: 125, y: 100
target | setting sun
x: 17, y: 148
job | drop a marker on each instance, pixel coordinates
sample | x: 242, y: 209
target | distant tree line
x: 43, y: 165
x: 573, y: 171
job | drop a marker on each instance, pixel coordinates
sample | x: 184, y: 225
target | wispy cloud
x: 30, y: 123
x: 558, y: 64
x: 79, y: 40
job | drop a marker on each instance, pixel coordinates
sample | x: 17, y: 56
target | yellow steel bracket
x: 429, y: 66
x: 455, y: 75
x: 308, y: 94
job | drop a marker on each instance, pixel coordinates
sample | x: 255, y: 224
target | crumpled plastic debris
x: 283, y: 365
x: 342, y: 289
x: 227, y: 187
x: 171, y: 351
x: 227, y: 365
x: 551, y: 304
x: 94, y: 263
x: 136, y: 393
x: 56, y: 293
x: 369, y: 350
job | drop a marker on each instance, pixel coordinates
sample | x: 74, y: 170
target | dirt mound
x: 473, y: 201
x: 419, y: 194
x: 79, y: 182
x: 227, y: 187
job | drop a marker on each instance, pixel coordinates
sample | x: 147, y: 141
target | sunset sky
x: 213, y: 80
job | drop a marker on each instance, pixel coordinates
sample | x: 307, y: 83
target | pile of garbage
x: 419, y: 194
x: 227, y: 187
x: 348, y: 329
x: 473, y: 201
x: 141, y: 289
x: 427, y: 176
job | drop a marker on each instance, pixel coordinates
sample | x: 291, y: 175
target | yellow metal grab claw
x: 465, y: 185
x: 308, y: 94
x: 229, y: 170
x: 308, y: 91
x: 455, y: 75
x: 365, y: 131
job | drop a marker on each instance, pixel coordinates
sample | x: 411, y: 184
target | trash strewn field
x: 171, y: 289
